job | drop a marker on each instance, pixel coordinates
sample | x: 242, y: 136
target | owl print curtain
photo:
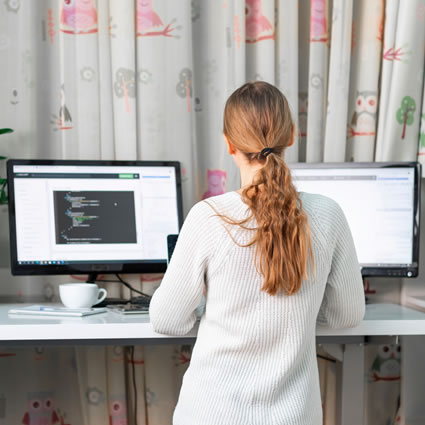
x: 148, y: 79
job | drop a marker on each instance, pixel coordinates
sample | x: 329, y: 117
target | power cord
x: 127, y: 285
x: 143, y: 296
x: 133, y: 370
x: 319, y: 356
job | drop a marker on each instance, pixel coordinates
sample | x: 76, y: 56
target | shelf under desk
x: 112, y: 328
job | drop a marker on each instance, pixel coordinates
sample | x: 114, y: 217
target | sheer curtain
x: 148, y: 79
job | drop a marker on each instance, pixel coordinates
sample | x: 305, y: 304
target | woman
x: 273, y: 263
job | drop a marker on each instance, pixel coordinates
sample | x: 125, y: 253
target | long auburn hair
x: 257, y: 116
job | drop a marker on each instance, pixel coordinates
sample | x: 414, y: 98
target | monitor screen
x: 381, y: 204
x: 85, y: 216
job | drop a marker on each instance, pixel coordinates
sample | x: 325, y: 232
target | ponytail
x: 282, y: 240
x: 257, y: 121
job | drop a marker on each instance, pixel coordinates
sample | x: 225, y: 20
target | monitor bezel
x: 385, y: 271
x: 83, y: 268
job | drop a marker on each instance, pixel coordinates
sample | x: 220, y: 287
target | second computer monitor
x: 381, y: 204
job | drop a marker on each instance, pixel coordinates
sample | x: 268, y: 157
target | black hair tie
x: 266, y: 152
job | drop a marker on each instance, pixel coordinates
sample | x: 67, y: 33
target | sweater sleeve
x: 343, y: 304
x: 173, y: 306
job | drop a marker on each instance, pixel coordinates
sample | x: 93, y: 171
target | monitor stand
x: 92, y: 278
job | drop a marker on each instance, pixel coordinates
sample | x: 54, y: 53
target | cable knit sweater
x: 254, y: 361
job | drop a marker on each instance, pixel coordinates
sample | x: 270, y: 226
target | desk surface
x: 113, y: 328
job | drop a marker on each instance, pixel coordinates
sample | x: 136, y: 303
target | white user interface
x: 378, y: 204
x: 72, y: 214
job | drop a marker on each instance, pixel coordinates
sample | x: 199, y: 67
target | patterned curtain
x: 126, y: 79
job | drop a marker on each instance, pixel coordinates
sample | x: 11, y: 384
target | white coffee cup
x: 81, y: 295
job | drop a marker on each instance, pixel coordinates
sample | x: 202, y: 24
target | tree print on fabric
x: 405, y: 113
x: 256, y: 24
x: 149, y: 23
x: 125, y: 85
x: 184, y: 86
x: 216, y: 183
x: 63, y: 120
x: 78, y: 17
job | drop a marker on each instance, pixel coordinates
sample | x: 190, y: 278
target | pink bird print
x: 147, y: 18
x: 216, y: 183
x: 256, y: 22
x: 318, y: 21
x: 78, y: 17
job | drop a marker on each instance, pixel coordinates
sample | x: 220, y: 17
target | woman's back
x: 254, y: 361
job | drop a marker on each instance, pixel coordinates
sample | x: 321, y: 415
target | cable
x: 127, y: 285
x: 319, y: 356
x: 133, y: 370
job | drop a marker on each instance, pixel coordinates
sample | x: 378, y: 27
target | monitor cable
x: 142, y: 297
x: 127, y: 285
x: 133, y: 370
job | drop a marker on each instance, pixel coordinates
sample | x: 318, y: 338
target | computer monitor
x: 90, y: 217
x: 381, y: 202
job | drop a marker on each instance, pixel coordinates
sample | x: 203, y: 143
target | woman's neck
x: 248, y: 172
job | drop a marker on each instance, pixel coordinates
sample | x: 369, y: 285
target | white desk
x: 381, y: 320
x: 112, y: 328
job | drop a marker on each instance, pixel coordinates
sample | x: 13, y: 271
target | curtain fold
x: 317, y: 80
x: 367, y: 36
x: 219, y: 63
x: 286, y: 63
x: 339, y: 73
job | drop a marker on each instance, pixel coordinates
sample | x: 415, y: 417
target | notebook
x: 42, y: 310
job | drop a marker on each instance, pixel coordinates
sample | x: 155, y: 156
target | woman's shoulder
x: 321, y: 204
x: 323, y: 212
x: 215, y: 205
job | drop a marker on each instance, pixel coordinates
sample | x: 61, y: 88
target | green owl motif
x: 386, y: 366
